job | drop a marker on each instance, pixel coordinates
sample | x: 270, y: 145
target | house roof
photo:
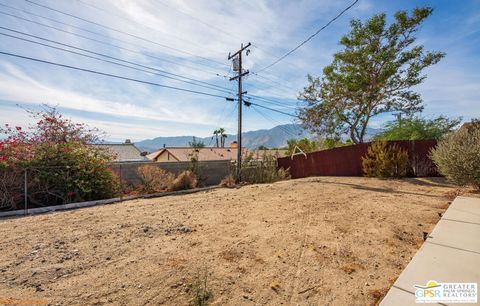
x: 208, y: 153
x: 123, y: 151
x: 212, y: 153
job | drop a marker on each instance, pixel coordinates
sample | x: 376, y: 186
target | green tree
x: 373, y: 74
x: 223, y: 136
x: 414, y: 128
x: 196, y: 144
x: 216, y: 132
x: 305, y: 144
x: 262, y: 148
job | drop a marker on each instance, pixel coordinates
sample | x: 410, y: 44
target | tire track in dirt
x: 304, y: 226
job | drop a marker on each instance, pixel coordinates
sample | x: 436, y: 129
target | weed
x: 199, y: 289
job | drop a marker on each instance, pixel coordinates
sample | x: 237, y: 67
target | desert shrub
x: 385, y: 160
x: 457, y: 157
x: 263, y: 171
x: 228, y: 181
x: 185, y: 180
x: 154, y: 179
x: 199, y: 289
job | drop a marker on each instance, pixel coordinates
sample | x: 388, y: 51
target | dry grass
x: 154, y: 179
x: 185, y: 180
x: 228, y: 181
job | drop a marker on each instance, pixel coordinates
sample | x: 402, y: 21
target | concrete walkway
x: 451, y: 254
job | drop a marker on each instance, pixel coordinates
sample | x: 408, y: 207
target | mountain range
x: 275, y: 137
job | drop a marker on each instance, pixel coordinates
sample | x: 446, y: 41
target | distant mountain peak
x: 275, y: 137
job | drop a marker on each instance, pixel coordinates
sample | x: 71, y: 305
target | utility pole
x: 237, y: 66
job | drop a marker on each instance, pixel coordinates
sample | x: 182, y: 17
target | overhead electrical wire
x: 269, y: 100
x: 278, y: 105
x: 159, y: 72
x: 272, y: 109
x: 279, y: 84
x: 199, y: 20
x: 306, y: 40
x: 113, y: 45
x: 123, y: 32
x: 114, y: 75
x: 137, y: 80
x: 110, y: 13
x: 278, y: 124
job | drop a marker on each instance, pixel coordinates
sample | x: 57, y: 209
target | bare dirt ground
x: 314, y: 241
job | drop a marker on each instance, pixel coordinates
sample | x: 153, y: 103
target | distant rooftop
x: 123, y: 151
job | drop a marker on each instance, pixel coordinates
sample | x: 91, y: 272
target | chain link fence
x: 27, y: 188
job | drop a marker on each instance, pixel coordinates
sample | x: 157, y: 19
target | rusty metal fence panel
x: 347, y: 161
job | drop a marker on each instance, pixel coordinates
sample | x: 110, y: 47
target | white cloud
x: 209, y: 29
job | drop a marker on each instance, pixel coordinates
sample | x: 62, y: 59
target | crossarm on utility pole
x: 238, y: 77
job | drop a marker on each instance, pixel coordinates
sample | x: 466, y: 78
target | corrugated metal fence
x: 347, y: 161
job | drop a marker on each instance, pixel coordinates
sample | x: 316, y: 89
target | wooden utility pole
x: 237, y: 58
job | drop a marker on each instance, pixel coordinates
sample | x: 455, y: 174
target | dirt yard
x: 315, y: 241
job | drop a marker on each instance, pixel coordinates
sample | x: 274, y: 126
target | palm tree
x: 221, y: 131
x: 216, y: 132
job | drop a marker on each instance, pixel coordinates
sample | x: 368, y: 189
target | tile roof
x: 123, y: 151
x: 208, y: 153
x: 212, y: 153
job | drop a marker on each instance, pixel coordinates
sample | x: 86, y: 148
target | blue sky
x: 193, y: 39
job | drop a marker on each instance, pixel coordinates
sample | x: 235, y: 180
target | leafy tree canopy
x: 305, y: 144
x: 414, y: 128
x: 373, y: 74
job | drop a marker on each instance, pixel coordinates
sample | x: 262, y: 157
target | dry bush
x: 424, y: 167
x: 228, y: 181
x: 263, y: 171
x: 11, y: 189
x: 383, y: 160
x: 185, y: 180
x: 458, y: 157
x: 154, y: 179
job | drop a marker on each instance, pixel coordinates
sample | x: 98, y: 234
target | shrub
x: 384, y: 160
x: 11, y: 188
x: 61, y: 165
x: 263, y: 171
x: 154, y: 179
x: 185, y: 180
x: 457, y: 157
x: 228, y: 181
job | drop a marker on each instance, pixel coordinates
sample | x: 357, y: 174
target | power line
x: 113, y: 75
x: 308, y: 39
x: 162, y: 72
x: 200, y: 21
x: 255, y: 97
x: 274, y: 104
x: 283, y: 85
x: 272, y: 109
x: 285, y: 130
x: 112, y: 45
x: 110, y: 13
x: 123, y: 32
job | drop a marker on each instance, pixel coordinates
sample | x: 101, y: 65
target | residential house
x: 176, y: 154
x: 124, y: 152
